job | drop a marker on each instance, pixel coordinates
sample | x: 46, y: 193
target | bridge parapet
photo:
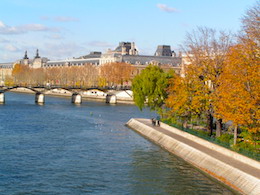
x: 76, y: 93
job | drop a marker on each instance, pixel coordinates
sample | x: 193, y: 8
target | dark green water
x: 60, y: 148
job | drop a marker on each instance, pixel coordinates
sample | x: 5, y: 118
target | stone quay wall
x: 234, y: 170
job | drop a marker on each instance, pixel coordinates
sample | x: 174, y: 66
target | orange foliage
x: 188, y: 96
x: 21, y: 74
x: 238, y: 94
x: 116, y: 73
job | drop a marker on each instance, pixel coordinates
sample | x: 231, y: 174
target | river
x: 61, y: 148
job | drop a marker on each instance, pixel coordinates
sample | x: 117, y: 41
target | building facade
x: 5, y: 72
x: 125, y: 52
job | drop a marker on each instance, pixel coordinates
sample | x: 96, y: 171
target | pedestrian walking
x: 158, y: 121
x: 153, y: 122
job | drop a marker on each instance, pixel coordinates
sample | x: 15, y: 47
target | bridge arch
x: 46, y: 90
x: 22, y: 87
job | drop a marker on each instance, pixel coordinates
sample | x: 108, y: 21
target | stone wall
x: 226, y: 173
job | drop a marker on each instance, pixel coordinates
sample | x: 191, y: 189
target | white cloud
x: 4, y: 40
x: 60, y: 18
x: 99, y: 44
x: 45, y: 18
x: 166, y: 8
x: 65, y: 19
x: 11, y: 48
x: 38, y: 27
x: 54, y: 36
x: 4, y: 57
x: 2, y: 25
x: 5, y: 29
x: 62, y: 50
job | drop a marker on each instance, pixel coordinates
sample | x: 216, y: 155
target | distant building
x: 125, y: 52
x: 36, y: 62
x: 164, y: 50
x: 5, y: 71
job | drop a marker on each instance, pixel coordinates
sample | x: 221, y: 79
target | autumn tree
x: 238, y: 96
x: 21, y: 74
x: 116, y: 73
x: 187, y: 97
x: 239, y: 89
x: 150, y: 87
x: 53, y: 75
x: 90, y: 75
x: 37, y: 76
x: 206, y: 50
x: 251, y: 22
x: 9, y: 80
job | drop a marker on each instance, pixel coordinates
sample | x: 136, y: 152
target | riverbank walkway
x: 250, y: 167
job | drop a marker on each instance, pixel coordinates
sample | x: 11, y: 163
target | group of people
x: 155, y: 122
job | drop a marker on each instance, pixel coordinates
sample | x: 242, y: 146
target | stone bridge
x: 40, y: 92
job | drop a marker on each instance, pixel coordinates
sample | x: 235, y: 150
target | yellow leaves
x: 227, y: 80
x: 237, y: 97
x: 116, y: 73
x: 21, y: 73
x: 188, y: 96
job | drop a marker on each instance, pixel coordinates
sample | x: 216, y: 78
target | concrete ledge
x: 237, y: 179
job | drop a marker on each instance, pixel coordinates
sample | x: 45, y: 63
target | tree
x: 21, y: 73
x: 239, y: 92
x: 90, y: 75
x: 116, y: 73
x: 37, y: 76
x: 251, y: 23
x: 241, y: 76
x: 150, y: 87
x: 187, y: 98
x: 206, y: 51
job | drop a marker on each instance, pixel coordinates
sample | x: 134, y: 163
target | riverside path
x: 239, y: 172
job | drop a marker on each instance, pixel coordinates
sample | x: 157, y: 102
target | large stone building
x: 125, y: 52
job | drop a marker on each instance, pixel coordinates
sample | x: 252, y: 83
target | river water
x: 61, y: 148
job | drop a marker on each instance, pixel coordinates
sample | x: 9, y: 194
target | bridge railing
x: 104, y: 88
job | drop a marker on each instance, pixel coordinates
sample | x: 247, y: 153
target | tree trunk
x: 185, y: 124
x: 210, y: 123
x: 218, y: 127
x: 235, y: 135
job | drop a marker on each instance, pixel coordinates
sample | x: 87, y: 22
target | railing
x: 104, y: 88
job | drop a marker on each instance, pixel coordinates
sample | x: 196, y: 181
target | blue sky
x: 71, y: 28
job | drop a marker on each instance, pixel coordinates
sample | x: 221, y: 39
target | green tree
x: 149, y: 87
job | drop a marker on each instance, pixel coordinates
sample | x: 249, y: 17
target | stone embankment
x: 234, y: 170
